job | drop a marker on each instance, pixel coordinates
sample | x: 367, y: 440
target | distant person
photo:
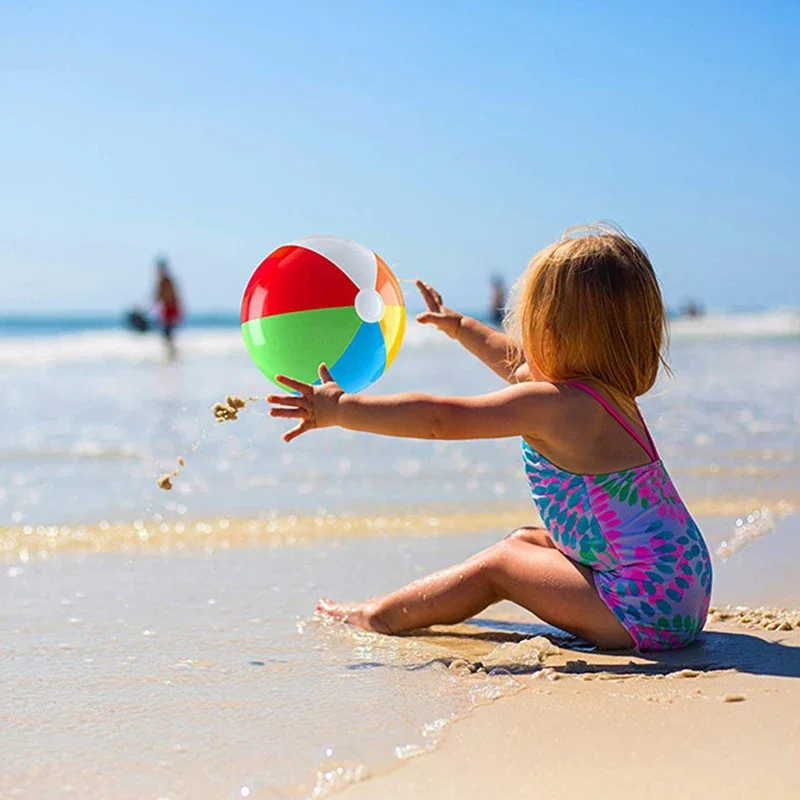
x: 498, y: 305
x: 168, y: 304
x: 693, y: 309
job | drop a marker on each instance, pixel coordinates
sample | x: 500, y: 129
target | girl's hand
x: 316, y: 407
x: 443, y: 318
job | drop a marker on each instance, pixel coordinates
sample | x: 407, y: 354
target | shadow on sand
x: 713, y: 650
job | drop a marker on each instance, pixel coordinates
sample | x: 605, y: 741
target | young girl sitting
x: 619, y: 561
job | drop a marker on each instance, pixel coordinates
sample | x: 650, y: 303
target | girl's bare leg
x: 524, y: 568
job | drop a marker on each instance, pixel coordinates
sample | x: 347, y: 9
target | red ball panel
x: 292, y: 278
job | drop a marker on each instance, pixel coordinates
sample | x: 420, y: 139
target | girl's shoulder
x: 564, y: 396
x: 586, y: 432
x: 561, y: 407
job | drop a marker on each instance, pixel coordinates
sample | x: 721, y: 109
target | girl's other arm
x: 502, y: 354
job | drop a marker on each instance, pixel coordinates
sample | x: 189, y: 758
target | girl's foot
x: 362, y: 615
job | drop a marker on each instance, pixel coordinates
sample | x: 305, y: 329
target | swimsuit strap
x: 654, y: 450
x: 650, y: 448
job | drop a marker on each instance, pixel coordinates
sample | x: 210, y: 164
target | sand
x: 228, y: 689
x: 165, y: 482
x: 36, y: 542
x: 720, y: 719
x: 224, y: 411
x: 229, y: 408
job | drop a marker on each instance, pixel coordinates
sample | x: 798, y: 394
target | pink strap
x: 653, y: 451
x: 650, y: 448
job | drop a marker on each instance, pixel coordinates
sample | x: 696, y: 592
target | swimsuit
x: 170, y: 317
x: 650, y: 564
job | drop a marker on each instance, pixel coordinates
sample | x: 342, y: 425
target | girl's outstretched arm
x: 528, y: 408
x: 501, y: 353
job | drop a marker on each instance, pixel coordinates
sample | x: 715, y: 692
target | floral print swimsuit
x: 651, y: 566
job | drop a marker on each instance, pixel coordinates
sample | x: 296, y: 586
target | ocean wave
x: 112, y: 346
x: 136, y: 348
x: 80, y: 450
x: 776, y: 323
x: 215, y: 342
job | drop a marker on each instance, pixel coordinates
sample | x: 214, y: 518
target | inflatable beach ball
x: 323, y: 300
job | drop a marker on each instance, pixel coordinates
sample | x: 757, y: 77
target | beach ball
x: 327, y: 300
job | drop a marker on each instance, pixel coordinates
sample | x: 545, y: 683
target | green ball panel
x: 295, y: 344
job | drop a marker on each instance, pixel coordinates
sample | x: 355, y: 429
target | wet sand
x: 183, y: 664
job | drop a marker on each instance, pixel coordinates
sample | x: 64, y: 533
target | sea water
x: 91, y: 419
x: 183, y: 659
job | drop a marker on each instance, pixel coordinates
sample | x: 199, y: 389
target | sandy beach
x: 116, y: 637
x: 612, y: 725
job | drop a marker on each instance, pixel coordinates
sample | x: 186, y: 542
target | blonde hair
x: 589, y: 307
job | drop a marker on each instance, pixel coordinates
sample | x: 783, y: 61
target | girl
x: 620, y: 562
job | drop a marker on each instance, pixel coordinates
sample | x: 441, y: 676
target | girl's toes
x: 328, y: 608
x: 362, y: 615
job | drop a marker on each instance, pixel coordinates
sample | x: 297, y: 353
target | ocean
x: 129, y: 613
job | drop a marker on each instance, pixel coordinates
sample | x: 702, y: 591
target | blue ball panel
x: 364, y: 360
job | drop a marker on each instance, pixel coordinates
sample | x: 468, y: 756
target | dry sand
x: 720, y: 719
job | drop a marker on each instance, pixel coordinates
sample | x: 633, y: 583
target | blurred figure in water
x: 497, y: 309
x: 168, y: 304
x: 693, y: 309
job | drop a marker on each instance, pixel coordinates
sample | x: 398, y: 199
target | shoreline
x: 38, y: 541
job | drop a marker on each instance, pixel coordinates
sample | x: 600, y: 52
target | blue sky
x: 454, y: 138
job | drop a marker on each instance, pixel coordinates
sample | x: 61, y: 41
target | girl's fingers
x: 304, y: 426
x: 437, y: 298
x: 288, y: 400
x: 428, y: 317
x: 298, y: 386
x: 289, y: 413
x: 324, y: 374
x: 427, y: 295
x: 427, y: 299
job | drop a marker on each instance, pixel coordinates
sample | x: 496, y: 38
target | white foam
x: 134, y: 348
x: 780, y: 322
x: 210, y: 342
x: 112, y: 345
